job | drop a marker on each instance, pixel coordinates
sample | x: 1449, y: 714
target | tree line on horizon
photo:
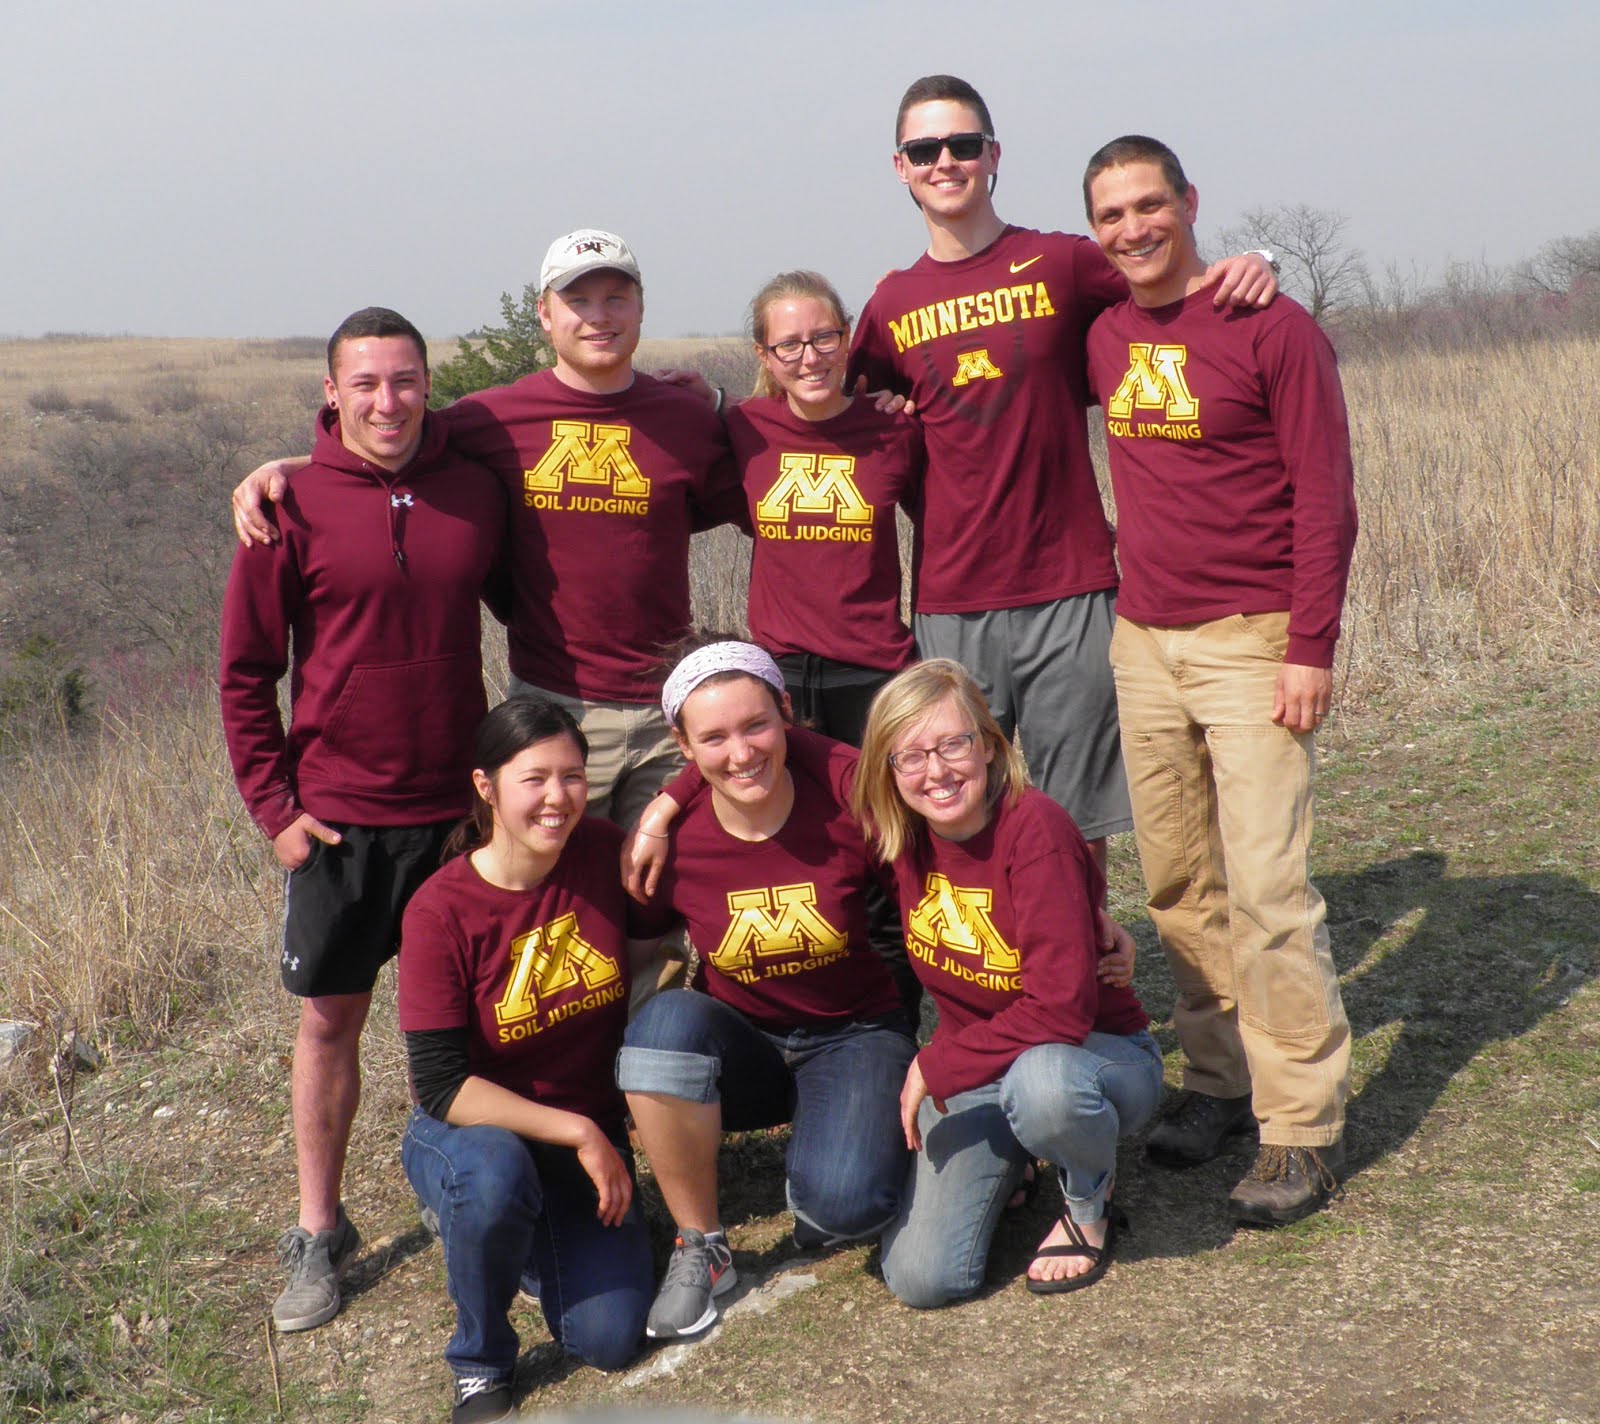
x: 1555, y: 290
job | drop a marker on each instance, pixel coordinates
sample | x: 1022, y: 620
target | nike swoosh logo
x: 1018, y: 266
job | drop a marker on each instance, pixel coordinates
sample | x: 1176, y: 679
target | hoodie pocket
x: 403, y: 728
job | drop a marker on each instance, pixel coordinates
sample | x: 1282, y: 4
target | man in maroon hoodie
x: 369, y: 600
x: 1230, y: 461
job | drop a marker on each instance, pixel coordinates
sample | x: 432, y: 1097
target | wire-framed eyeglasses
x: 952, y: 751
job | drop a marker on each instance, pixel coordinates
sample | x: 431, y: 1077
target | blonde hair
x: 890, y: 824
x: 787, y: 287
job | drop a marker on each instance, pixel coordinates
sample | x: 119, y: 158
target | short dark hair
x: 936, y: 88
x: 375, y: 321
x: 1134, y: 148
x: 512, y: 727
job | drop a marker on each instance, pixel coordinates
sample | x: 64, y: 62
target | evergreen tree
x: 503, y: 353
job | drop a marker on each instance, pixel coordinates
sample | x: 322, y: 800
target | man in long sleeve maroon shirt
x: 369, y: 601
x: 1230, y: 462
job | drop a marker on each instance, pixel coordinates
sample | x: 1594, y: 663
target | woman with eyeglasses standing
x: 1037, y: 1053
x: 823, y: 473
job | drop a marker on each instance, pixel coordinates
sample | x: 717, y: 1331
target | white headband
x: 708, y: 662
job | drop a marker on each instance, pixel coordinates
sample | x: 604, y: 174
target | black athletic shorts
x: 342, y: 908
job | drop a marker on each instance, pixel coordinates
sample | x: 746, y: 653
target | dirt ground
x: 1379, y: 1309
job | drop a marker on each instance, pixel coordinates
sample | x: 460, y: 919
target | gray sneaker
x: 1198, y: 1129
x: 701, y: 1269
x: 1286, y: 1183
x: 314, y: 1263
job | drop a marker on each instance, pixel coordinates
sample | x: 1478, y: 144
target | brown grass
x: 1478, y: 482
x: 128, y: 370
x: 129, y: 874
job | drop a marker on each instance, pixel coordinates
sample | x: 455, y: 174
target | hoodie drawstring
x: 398, y: 500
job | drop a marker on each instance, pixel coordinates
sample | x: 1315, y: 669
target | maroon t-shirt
x: 825, y: 569
x: 780, y: 925
x: 605, y: 491
x: 1000, y: 930
x: 991, y: 349
x: 539, y: 979
x: 1230, y: 460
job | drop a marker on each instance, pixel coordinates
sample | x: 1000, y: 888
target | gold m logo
x: 550, y: 960
x: 1154, y: 381
x: 975, y: 366
x: 958, y: 920
x: 779, y: 920
x: 587, y: 454
x: 815, y: 484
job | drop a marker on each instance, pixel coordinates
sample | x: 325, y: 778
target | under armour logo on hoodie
x: 401, y: 501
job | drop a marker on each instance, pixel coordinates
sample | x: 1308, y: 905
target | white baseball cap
x: 586, y: 250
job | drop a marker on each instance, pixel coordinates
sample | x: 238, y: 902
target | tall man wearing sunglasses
x: 1013, y: 573
x: 1230, y: 457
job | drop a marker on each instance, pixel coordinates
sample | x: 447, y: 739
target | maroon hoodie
x: 376, y: 580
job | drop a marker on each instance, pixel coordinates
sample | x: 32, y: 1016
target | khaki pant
x: 1222, y: 811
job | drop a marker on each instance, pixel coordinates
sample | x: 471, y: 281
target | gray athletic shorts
x: 1046, y: 670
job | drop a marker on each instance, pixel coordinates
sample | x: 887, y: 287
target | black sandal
x: 1032, y: 1174
x: 1078, y: 1245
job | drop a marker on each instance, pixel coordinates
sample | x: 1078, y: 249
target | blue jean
x: 1067, y: 1103
x: 839, y: 1085
x: 509, y: 1207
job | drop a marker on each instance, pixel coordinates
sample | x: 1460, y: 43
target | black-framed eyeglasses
x: 824, y: 343
x: 964, y: 147
x: 950, y: 750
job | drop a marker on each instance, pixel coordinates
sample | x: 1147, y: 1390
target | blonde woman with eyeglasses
x: 1037, y: 1053
x: 823, y: 472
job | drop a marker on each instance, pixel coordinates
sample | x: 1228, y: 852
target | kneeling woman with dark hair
x: 514, y: 980
x: 1034, y: 1055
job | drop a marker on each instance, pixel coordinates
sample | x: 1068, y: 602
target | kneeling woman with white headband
x: 796, y: 1020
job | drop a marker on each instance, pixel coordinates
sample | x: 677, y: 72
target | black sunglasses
x: 964, y: 147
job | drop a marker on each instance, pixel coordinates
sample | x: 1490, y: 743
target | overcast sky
x: 200, y: 168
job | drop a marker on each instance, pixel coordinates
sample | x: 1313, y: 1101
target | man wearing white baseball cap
x: 584, y: 251
x: 609, y: 471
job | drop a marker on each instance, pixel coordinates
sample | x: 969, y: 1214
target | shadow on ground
x: 1443, y: 966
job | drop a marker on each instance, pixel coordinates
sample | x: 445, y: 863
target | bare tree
x: 1321, y: 270
x: 1563, y: 263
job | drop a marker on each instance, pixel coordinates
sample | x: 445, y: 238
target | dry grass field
x: 1458, y: 849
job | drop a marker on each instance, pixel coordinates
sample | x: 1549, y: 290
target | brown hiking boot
x: 1196, y: 1130
x: 1286, y: 1183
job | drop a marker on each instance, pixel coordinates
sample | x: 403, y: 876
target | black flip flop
x: 1098, y: 1256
